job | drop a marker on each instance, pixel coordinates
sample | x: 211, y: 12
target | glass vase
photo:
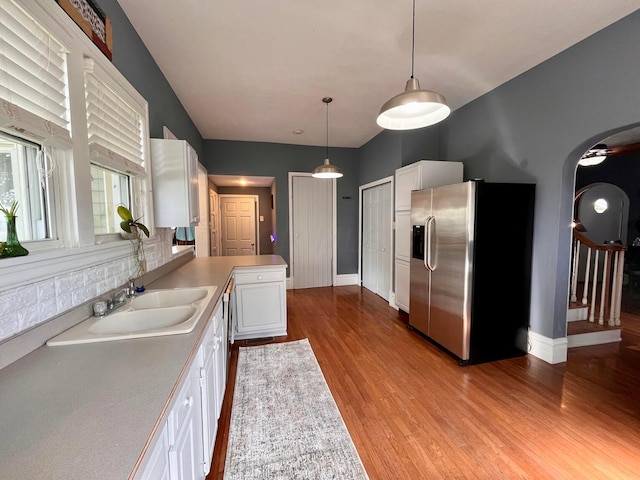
x: 12, y: 247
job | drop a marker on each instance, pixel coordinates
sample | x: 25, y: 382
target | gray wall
x: 531, y: 129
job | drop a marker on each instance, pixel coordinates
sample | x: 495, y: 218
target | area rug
x: 284, y: 422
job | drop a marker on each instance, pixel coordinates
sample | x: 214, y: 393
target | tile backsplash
x: 29, y: 305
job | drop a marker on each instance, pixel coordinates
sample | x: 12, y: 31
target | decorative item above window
x: 92, y: 20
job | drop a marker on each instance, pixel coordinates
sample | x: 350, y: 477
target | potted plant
x: 132, y: 228
x: 12, y: 247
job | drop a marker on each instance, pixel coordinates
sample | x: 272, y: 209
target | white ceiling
x: 255, y: 71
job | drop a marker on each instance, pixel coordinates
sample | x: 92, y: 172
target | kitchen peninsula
x: 92, y: 411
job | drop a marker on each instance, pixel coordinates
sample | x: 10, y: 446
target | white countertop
x: 87, y: 411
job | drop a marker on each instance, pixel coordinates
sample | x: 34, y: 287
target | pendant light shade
x: 413, y: 108
x: 326, y: 170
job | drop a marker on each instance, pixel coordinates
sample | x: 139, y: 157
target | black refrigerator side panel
x: 501, y: 294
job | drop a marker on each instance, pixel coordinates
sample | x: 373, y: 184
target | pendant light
x: 326, y: 170
x: 413, y: 108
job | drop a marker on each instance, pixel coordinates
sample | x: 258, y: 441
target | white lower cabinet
x: 158, y: 466
x: 212, y: 384
x: 402, y: 284
x: 185, y: 430
x: 184, y: 446
x: 260, y: 303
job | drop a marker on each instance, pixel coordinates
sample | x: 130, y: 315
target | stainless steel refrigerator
x: 470, y: 268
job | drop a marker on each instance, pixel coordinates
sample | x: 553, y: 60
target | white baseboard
x: 347, y: 279
x: 551, y: 350
x: 341, y: 280
x: 594, y: 338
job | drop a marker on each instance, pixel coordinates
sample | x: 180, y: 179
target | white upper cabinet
x: 174, y: 168
x: 424, y: 174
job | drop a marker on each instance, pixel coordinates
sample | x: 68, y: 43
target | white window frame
x: 77, y: 246
x: 139, y: 173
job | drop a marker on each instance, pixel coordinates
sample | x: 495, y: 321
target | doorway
x: 238, y: 224
x: 603, y: 214
x: 312, y: 230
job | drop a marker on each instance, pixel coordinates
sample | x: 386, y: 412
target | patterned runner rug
x: 284, y: 422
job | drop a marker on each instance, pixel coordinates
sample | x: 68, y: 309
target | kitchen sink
x: 151, y: 314
x: 168, y: 298
x: 132, y: 321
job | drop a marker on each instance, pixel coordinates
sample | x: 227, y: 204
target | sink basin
x: 154, y: 313
x: 168, y: 298
x: 132, y: 321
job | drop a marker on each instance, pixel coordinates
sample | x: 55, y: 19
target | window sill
x: 42, y: 264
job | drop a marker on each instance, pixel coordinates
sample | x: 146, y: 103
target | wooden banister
x: 609, y: 277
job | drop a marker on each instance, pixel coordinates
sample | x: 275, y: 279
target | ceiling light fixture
x: 594, y: 156
x: 413, y: 108
x: 326, y: 170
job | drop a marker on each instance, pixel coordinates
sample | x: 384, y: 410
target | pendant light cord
x: 413, y: 37
x: 327, y: 129
x: 327, y: 101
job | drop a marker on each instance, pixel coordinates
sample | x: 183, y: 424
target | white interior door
x: 376, y: 239
x: 312, y: 231
x: 238, y: 224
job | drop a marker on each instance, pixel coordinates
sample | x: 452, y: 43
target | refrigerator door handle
x: 429, y: 225
x: 425, y: 246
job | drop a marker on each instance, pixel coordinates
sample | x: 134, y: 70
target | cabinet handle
x: 259, y: 277
x: 187, y: 402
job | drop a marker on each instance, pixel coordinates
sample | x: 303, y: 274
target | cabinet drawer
x: 259, y: 277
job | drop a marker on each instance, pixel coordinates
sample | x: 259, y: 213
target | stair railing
x: 609, y: 299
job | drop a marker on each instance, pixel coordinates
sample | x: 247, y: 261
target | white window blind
x: 114, y: 127
x: 33, y: 79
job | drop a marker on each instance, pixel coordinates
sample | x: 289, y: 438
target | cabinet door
x: 183, y: 460
x: 260, y: 307
x: 403, y: 235
x: 220, y: 365
x: 402, y: 285
x: 407, y: 179
x: 158, y: 466
x: 185, y: 428
x: 194, y: 194
x: 210, y: 384
x: 210, y: 411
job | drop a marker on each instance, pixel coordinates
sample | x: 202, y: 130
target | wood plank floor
x: 413, y: 413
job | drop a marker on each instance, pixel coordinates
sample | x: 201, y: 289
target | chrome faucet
x: 117, y: 300
x: 131, y: 289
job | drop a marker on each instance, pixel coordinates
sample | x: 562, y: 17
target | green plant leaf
x: 143, y: 228
x: 125, y: 214
x: 125, y: 225
x: 11, y: 210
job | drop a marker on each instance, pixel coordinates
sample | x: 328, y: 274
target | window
x: 33, y: 79
x: 108, y: 190
x: 25, y: 170
x: 34, y: 119
x: 115, y: 130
